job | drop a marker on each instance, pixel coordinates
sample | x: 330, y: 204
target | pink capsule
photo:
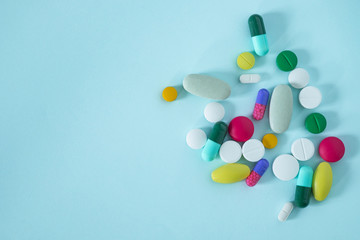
x: 257, y: 172
x: 260, y: 104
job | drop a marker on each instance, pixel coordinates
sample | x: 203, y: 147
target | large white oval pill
x: 285, y: 211
x: 249, y: 78
x: 299, y: 78
x: 196, y: 138
x: 281, y: 106
x: 303, y: 149
x: 253, y: 150
x: 214, y: 112
x: 310, y: 97
x: 230, y: 151
x: 285, y: 167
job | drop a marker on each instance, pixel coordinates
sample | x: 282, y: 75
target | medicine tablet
x: 299, y: 78
x: 241, y: 129
x: 286, y: 61
x: 230, y: 151
x: 315, y: 123
x: 303, y: 149
x: 269, y: 141
x: 196, y: 138
x: 246, y: 60
x: 310, y: 97
x: 253, y: 150
x: 285, y: 211
x: 169, y: 94
x: 249, y: 78
x: 285, y: 167
x: 214, y: 112
x: 331, y: 149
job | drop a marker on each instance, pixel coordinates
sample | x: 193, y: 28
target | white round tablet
x: 253, y: 150
x: 310, y: 97
x: 285, y: 167
x: 214, y: 112
x: 299, y: 78
x: 196, y: 138
x: 303, y: 149
x: 230, y: 151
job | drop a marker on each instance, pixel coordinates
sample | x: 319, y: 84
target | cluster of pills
x: 241, y: 129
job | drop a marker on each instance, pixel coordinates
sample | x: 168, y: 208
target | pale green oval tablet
x: 281, y: 106
x: 206, y: 87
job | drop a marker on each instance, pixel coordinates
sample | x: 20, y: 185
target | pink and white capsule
x: 255, y: 175
x: 260, y: 104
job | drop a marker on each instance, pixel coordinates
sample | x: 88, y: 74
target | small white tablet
x: 230, y: 151
x: 285, y: 167
x: 303, y: 149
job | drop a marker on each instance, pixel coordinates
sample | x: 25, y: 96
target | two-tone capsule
x: 214, y: 142
x: 260, y: 104
x: 258, y: 35
x: 303, y: 186
x: 257, y: 172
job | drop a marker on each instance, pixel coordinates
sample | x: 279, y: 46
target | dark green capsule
x: 256, y: 25
x: 218, y: 132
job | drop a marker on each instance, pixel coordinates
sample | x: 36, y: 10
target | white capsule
x: 285, y: 211
x: 249, y: 78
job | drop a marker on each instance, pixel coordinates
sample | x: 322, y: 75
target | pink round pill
x: 241, y: 129
x: 331, y: 149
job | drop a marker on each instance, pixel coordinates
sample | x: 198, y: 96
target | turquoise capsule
x: 303, y: 187
x: 258, y: 35
x: 214, y: 142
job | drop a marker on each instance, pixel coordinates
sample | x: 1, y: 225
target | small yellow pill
x: 169, y: 94
x: 245, y: 60
x: 269, y: 140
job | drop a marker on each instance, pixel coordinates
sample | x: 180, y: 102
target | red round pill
x: 241, y: 129
x: 331, y: 149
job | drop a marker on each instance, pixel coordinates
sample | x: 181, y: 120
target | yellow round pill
x: 245, y: 60
x: 169, y: 94
x: 269, y: 140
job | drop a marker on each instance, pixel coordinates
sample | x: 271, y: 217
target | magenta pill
x: 260, y: 104
x: 257, y: 172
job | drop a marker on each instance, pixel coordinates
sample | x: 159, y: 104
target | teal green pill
x: 303, y: 186
x: 286, y: 61
x: 315, y: 123
x: 216, y: 138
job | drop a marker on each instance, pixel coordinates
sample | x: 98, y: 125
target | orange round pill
x: 269, y: 140
x: 169, y: 94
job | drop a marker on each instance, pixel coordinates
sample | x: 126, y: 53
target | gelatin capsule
x: 303, y: 187
x: 260, y: 104
x: 214, y: 142
x: 258, y: 35
x: 255, y: 175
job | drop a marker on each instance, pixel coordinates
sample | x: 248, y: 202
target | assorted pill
x: 322, y: 181
x: 269, y: 141
x: 253, y: 150
x: 315, y: 123
x: 250, y: 78
x: 255, y: 175
x: 241, y: 129
x: 214, y: 112
x: 285, y: 211
x: 245, y: 60
x: 258, y: 35
x: 216, y: 138
x: 281, y: 105
x: 260, y: 104
x: 286, y: 61
x: 299, y: 78
x: 331, y: 149
x: 196, y: 138
x: 303, y: 187
x: 230, y: 173
x: 285, y: 167
x: 230, y: 151
x: 310, y: 97
x: 169, y: 94
x: 303, y: 149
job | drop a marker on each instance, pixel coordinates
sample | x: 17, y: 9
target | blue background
x: 90, y: 150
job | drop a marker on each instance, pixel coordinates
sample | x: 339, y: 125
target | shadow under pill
x: 182, y: 93
x: 275, y: 26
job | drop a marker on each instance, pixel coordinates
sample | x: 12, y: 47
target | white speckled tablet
x: 303, y: 149
x: 299, y: 78
x: 280, y: 110
x: 206, y: 86
x: 285, y: 211
x: 285, y: 167
x: 214, y: 112
x: 249, y: 78
x: 230, y: 151
x: 310, y: 97
x: 253, y: 150
x: 196, y: 138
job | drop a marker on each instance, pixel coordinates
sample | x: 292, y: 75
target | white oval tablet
x: 196, y: 138
x: 253, y: 150
x: 230, y: 151
x: 285, y: 211
x: 214, y: 112
x: 285, y: 167
x: 310, y: 97
x: 303, y: 149
x: 299, y: 78
x: 249, y: 78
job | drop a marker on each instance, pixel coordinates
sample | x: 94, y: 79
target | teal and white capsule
x: 258, y: 35
x: 214, y: 142
x: 303, y: 186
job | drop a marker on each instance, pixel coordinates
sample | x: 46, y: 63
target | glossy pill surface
x: 303, y: 187
x: 245, y: 60
x: 230, y: 151
x: 280, y: 110
x: 286, y: 61
x: 258, y: 34
x: 269, y: 141
x: 196, y: 138
x: 310, y: 97
x: 241, y: 129
x: 230, y: 173
x: 285, y: 167
x: 299, y: 78
x: 285, y: 211
x: 331, y: 149
x: 255, y: 175
x: 253, y: 150
x: 303, y: 149
x: 260, y: 104
x: 214, y: 112
x: 169, y: 94
x: 250, y: 78
x: 216, y: 138
x: 322, y: 181
x: 315, y: 123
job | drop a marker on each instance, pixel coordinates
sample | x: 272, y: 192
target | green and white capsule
x: 216, y: 138
x: 258, y: 35
x: 303, y: 187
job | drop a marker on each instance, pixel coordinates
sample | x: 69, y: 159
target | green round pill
x: 315, y: 123
x: 286, y: 61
